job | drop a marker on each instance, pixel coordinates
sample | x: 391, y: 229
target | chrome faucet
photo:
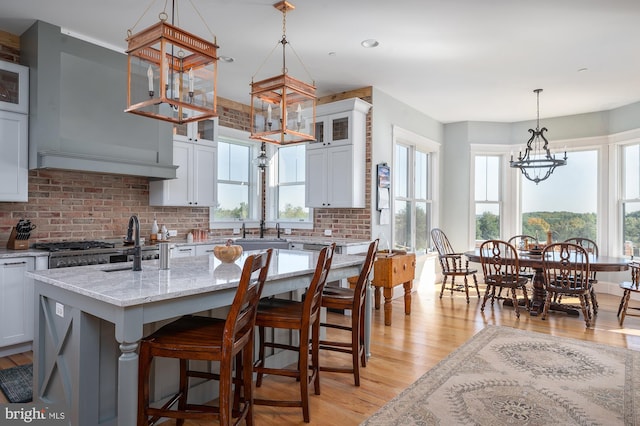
x: 262, y: 228
x: 137, y: 250
x: 244, y: 230
x: 278, y: 229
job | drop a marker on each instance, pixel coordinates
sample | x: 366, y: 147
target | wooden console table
x: 390, y: 270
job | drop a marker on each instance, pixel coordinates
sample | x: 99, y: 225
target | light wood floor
x: 412, y: 345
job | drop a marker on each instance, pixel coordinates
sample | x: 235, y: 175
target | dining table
x: 90, y: 319
x: 533, y: 260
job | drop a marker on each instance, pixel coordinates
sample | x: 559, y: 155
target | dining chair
x: 211, y: 339
x: 303, y: 317
x: 522, y: 243
x: 592, y: 248
x: 566, y: 271
x: 453, y: 264
x: 343, y: 298
x: 501, y: 269
x: 629, y: 287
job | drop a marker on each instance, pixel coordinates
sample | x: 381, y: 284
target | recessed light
x: 332, y: 53
x: 369, y: 43
x: 227, y: 59
x: 583, y: 69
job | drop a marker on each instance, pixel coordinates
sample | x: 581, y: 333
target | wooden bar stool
x: 353, y: 299
x: 203, y: 338
x: 301, y: 316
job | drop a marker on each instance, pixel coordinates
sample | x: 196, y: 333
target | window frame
x: 273, y: 185
x: 239, y: 137
x: 416, y: 143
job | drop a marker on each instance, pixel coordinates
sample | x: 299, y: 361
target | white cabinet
x: 183, y: 251
x: 202, y: 249
x: 195, y: 182
x: 335, y: 164
x: 14, y: 163
x: 16, y: 302
x: 199, y: 131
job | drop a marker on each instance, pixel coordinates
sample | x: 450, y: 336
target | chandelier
x: 283, y: 109
x: 537, y: 163
x: 171, y: 73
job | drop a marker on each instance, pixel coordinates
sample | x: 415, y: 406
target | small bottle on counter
x: 154, y: 229
x: 189, y: 237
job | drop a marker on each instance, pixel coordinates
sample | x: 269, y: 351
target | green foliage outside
x: 564, y: 225
x: 240, y: 212
x: 402, y: 237
x: 487, y: 226
x: 293, y: 212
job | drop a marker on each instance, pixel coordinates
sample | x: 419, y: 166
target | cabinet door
x: 177, y: 191
x: 16, y: 301
x: 183, y: 251
x: 339, y: 180
x: 13, y: 161
x: 204, y: 176
x: 203, y: 249
x: 315, y: 178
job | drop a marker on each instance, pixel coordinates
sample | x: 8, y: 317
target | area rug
x: 505, y: 376
x: 17, y: 383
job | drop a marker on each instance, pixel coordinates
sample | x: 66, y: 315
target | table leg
x: 407, y: 297
x: 388, y: 296
x: 376, y: 294
x: 128, y: 384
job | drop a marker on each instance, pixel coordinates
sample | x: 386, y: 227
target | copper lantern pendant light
x: 171, y: 73
x: 283, y: 108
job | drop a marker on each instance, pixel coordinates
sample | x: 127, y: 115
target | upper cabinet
x: 14, y: 172
x: 195, y: 182
x: 14, y: 107
x: 203, y: 130
x: 335, y: 163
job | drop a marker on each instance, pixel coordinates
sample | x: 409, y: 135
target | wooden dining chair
x: 203, y: 338
x: 342, y: 298
x: 501, y: 270
x: 453, y: 265
x: 566, y: 273
x: 629, y: 287
x: 592, y: 248
x: 304, y: 318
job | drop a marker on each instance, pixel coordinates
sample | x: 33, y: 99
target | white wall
x: 389, y: 112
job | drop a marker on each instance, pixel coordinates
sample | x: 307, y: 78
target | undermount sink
x: 122, y: 268
x: 261, y: 243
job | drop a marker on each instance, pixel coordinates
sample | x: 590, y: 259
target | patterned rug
x: 505, y: 376
x: 17, y: 382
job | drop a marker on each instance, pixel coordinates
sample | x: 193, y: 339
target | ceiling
x: 453, y: 60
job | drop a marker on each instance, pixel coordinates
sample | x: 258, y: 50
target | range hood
x: 77, y: 100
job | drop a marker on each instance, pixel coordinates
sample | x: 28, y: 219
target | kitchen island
x: 90, y: 319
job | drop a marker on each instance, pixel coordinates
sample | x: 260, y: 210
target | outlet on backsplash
x: 327, y: 232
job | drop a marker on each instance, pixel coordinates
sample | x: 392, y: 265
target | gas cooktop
x: 73, y: 245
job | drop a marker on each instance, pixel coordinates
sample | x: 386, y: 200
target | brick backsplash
x: 67, y: 205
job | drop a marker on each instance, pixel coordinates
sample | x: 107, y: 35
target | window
x: 566, y: 203
x: 413, y: 199
x: 631, y: 199
x: 236, y: 194
x: 290, y: 185
x: 487, y: 197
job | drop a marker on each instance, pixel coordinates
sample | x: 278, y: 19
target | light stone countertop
x: 186, y: 276
x: 9, y: 254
